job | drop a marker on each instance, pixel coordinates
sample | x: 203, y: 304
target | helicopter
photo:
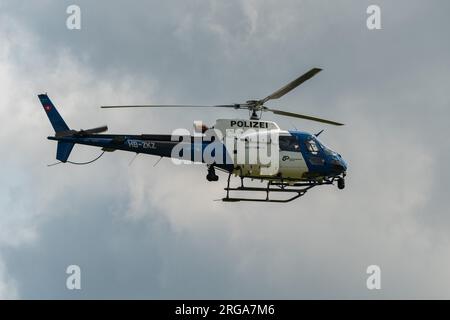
x: 290, y: 162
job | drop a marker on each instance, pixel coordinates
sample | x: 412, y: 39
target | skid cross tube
x: 298, y: 189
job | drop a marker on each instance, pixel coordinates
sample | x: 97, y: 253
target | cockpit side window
x: 312, y: 146
x: 289, y: 143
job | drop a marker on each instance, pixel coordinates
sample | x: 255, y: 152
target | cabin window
x: 289, y: 143
x: 312, y: 146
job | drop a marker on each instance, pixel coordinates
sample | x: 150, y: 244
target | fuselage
x: 301, y: 156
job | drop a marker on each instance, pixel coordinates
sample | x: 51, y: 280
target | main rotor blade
x: 291, y: 86
x: 301, y: 116
x: 236, y: 106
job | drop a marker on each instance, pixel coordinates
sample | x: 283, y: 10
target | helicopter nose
x: 338, y: 165
x: 343, y: 164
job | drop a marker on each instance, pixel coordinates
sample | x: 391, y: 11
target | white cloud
x: 7, y: 287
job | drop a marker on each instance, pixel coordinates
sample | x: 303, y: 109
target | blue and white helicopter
x: 300, y: 161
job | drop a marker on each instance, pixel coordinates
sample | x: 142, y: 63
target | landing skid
x: 276, y: 186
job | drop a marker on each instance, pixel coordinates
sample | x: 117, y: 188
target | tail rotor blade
x: 94, y: 130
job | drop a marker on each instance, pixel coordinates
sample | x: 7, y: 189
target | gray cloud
x: 144, y: 232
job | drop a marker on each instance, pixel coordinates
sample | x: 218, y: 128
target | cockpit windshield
x: 324, y: 147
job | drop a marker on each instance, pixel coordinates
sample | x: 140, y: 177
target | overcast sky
x: 156, y: 232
